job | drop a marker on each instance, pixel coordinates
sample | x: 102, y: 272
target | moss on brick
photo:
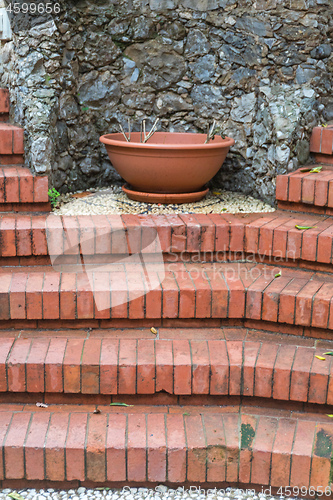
x: 247, y: 436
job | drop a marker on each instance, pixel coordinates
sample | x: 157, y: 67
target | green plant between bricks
x: 53, y: 195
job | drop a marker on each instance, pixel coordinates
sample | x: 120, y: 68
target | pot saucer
x: 164, y: 198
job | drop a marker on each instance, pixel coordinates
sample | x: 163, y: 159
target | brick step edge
x: 180, y: 367
x: 11, y: 139
x: 322, y: 140
x: 192, y: 291
x: 4, y: 101
x: 19, y: 186
x: 150, y: 446
x: 307, y: 189
x: 272, y: 235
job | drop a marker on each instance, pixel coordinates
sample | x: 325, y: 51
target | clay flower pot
x: 173, y: 164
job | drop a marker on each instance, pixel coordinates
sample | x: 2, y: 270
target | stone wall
x: 262, y: 68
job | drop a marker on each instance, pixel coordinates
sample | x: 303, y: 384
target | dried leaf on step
x: 316, y: 170
x: 15, y: 495
x: 278, y: 275
x: 96, y: 411
x: 304, y: 227
x: 153, y: 330
x: 312, y: 170
x: 321, y: 358
x: 329, y: 353
x: 120, y: 404
x: 42, y: 405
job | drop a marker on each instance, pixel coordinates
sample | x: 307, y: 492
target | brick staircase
x: 20, y: 191
x: 207, y: 326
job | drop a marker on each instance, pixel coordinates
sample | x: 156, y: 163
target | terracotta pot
x: 168, y: 162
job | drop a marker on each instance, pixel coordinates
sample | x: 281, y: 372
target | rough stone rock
x: 175, y: 31
x: 236, y: 131
x: 202, y: 5
x: 41, y: 155
x: 161, y: 65
x: 322, y: 51
x: 294, y: 33
x: 243, y: 108
x: 259, y: 163
x: 40, y: 117
x: 204, y: 68
x: 304, y: 75
x: 68, y: 107
x: 118, y: 27
x: 65, y: 163
x: 249, y: 56
x: 139, y: 100
x: 264, y: 4
x: 99, y: 50
x: 75, y: 43
x: 170, y: 103
x: 261, y: 134
x: 208, y: 101
x: 59, y: 179
x: 89, y: 166
x: 253, y: 25
x: 47, y: 29
x: 97, y: 88
x: 31, y: 65
x: 288, y: 56
x: 197, y: 43
x: 244, y: 77
x: 161, y: 5
x: 328, y: 112
x: 282, y: 154
x: 302, y: 151
x: 143, y: 28
x: 78, y: 139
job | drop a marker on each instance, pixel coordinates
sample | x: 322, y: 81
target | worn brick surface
x: 147, y: 444
x: 270, y: 235
x: 19, y: 189
x: 263, y: 369
x: 302, y: 190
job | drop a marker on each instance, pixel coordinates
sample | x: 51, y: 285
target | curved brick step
x: 270, y: 237
x: 21, y: 191
x: 262, y: 366
x: 204, y: 291
x: 306, y: 192
x: 11, y: 140
x: 321, y: 144
x: 165, y: 444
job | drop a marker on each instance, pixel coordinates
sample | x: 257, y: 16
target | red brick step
x: 321, y: 144
x: 305, y: 191
x: 270, y: 237
x: 174, y: 291
x: 4, y: 105
x: 21, y: 191
x: 179, y: 362
x: 166, y: 444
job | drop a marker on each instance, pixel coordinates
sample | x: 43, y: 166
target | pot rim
x: 105, y: 139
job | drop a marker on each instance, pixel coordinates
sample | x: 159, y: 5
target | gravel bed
x: 114, y: 201
x: 161, y: 492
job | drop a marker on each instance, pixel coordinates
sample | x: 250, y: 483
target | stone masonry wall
x: 261, y: 68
